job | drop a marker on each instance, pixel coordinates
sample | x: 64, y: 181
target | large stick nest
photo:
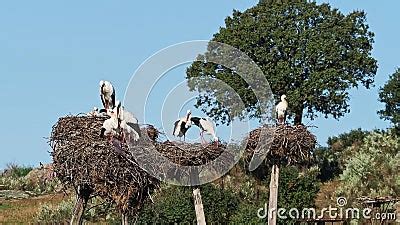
x: 83, y: 160
x: 282, y: 144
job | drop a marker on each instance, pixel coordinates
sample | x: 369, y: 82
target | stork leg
x: 216, y: 143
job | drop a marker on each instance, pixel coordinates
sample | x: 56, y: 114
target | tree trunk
x: 273, y: 196
x: 298, y: 117
x: 125, y: 219
x: 198, y: 206
x: 79, y: 209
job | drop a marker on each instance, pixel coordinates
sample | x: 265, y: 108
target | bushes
x: 175, y: 205
x: 15, y: 171
x: 22, y: 178
x: 56, y: 214
x: 238, y: 204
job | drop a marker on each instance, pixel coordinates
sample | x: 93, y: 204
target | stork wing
x: 135, y: 127
x: 103, y: 100
x: 175, y: 127
x: 113, y: 98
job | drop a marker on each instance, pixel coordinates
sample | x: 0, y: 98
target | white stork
x: 110, y: 127
x: 281, y: 110
x: 107, y: 94
x: 128, y: 124
x: 182, y: 125
x: 206, y: 126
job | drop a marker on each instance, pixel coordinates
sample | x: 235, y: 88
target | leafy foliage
x: 312, y: 53
x: 297, y: 190
x: 175, y: 205
x: 374, y: 169
x: 238, y: 202
x: 16, y: 171
x: 390, y: 95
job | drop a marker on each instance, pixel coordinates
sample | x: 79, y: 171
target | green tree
x: 312, y: 53
x: 390, y: 95
x: 374, y: 168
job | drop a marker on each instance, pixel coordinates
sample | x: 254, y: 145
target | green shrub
x: 175, y: 205
x: 60, y: 213
x: 16, y: 171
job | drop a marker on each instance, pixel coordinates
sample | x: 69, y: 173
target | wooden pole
x: 125, y: 219
x: 79, y: 209
x: 273, y: 195
x: 198, y: 206
x: 198, y: 203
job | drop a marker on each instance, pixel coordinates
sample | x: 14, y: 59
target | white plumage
x: 182, y: 125
x: 281, y: 109
x: 107, y: 94
x: 128, y: 123
x: 206, y: 126
x: 110, y: 127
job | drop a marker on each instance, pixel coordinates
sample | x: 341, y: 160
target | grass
x: 25, y: 210
x: 4, y: 206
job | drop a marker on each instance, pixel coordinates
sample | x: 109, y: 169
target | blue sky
x: 53, y: 53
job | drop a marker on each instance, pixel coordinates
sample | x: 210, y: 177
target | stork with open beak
x: 182, y: 125
x: 107, y: 94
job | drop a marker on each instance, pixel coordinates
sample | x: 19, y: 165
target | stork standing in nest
x: 128, y: 124
x: 107, y: 94
x: 281, y: 110
x: 182, y: 125
x: 206, y: 126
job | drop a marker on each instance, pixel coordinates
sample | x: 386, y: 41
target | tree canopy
x: 390, y: 95
x: 312, y: 53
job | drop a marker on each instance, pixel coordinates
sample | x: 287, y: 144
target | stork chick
x: 128, y: 124
x: 110, y: 127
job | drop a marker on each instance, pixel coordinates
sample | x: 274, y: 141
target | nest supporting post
x: 273, y: 195
x: 198, y: 203
x: 80, y: 204
x: 125, y: 219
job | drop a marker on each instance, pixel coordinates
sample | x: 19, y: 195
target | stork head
x: 283, y: 97
x: 95, y: 109
x: 101, y: 83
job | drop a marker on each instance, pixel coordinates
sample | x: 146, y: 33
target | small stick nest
x: 284, y: 144
x: 83, y: 160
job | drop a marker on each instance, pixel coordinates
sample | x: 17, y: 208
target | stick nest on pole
x: 284, y: 144
x: 83, y: 160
